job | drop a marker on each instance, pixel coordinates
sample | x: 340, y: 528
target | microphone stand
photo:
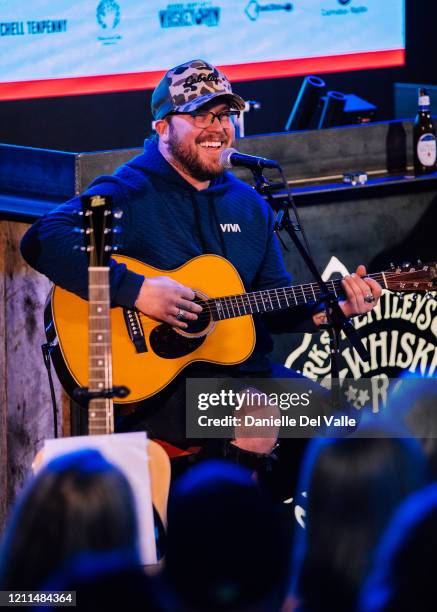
x: 337, y: 321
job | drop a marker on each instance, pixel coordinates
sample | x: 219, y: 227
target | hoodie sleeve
x: 52, y: 247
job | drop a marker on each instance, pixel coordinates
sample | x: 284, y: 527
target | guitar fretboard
x: 270, y: 300
x: 100, y: 410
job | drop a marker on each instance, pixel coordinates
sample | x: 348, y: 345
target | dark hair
x: 353, y: 486
x: 78, y: 502
x: 403, y: 578
x: 228, y: 544
x: 104, y: 580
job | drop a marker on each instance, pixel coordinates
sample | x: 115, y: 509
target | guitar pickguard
x: 167, y: 343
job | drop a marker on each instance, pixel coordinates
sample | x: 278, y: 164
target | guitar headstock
x: 409, y: 277
x: 97, y: 223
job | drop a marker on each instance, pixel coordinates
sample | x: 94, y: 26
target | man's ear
x: 162, y: 128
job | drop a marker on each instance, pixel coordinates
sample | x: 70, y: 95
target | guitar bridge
x: 135, y: 329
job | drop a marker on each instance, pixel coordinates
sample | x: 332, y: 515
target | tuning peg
x: 116, y: 229
x: 107, y: 230
x: 406, y: 265
x: 79, y: 248
x: 118, y: 213
x: 419, y: 262
x: 79, y: 212
x: 78, y: 230
x: 392, y: 266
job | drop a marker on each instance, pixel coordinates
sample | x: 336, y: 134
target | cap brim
x: 236, y: 101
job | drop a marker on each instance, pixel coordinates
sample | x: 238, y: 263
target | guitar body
x: 226, y: 342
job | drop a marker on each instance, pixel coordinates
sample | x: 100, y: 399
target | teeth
x: 214, y: 145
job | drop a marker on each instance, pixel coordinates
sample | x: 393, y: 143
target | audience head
x: 78, y: 502
x: 104, y: 580
x: 228, y: 544
x: 403, y: 578
x: 353, y: 487
x: 413, y: 403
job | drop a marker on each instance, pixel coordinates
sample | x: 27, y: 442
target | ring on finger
x: 369, y: 298
x: 180, y: 315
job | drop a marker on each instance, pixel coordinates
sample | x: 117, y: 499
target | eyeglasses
x: 203, y: 119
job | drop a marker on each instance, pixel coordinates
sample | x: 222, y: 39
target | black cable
x: 46, y: 353
x: 295, y: 211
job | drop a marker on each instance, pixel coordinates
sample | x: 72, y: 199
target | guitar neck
x: 271, y: 300
x: 101, y: 410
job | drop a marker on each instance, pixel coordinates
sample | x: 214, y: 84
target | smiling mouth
x: 211, y: 144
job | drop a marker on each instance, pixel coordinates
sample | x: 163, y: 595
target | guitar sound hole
x: 203, y: 320
x: 169, y: 344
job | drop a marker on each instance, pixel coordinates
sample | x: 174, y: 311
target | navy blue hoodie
x: 166, y: 222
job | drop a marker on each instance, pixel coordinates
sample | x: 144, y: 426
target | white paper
x: 128, y: 451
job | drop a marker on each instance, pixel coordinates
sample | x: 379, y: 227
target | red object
x: 47, y: 88
x: 174, y: 451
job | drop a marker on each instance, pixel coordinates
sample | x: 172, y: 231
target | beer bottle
x: 424, y: 137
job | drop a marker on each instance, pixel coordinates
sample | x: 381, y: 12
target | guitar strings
x: 231, y: 305
x: 300, y: 294
x: 255, y: 301
x: 101, y: 406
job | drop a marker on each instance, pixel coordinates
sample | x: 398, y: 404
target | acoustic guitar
x: 148, y: 354
x: 95, y: 347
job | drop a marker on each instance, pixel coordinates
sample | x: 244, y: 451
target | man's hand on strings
x: 362, y: 293
x: 166, y: 300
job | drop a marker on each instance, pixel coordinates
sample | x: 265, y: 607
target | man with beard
x: 177, y: 204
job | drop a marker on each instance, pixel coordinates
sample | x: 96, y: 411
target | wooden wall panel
x: 26, y: 414
x: 3, y: 395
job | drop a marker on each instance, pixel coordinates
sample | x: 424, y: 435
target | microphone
x: 231, y: 157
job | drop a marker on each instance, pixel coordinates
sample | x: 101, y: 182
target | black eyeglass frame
x: 197, y: 113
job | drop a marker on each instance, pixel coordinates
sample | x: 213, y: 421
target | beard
x: 187, y: 158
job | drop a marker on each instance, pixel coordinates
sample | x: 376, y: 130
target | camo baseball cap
x: 189, y: 86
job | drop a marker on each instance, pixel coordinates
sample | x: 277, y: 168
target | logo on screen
x: 254, y: 8
x: 108, y: 14
x: 193, y: 14
x: 353, y: 9
x: 108, y: 17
